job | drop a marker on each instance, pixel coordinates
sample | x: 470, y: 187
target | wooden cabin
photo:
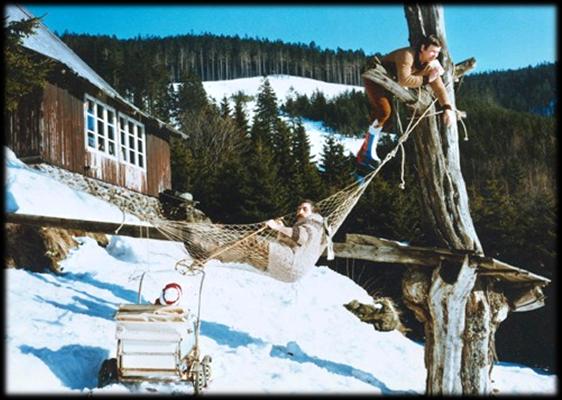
x: 80, y: 123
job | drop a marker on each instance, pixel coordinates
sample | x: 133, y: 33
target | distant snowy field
x: 265, y: 336
x: 286, y: 86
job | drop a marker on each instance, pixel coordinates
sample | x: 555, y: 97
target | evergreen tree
x: 230, y: 189
x: 181, y: 165
x: 405, y: 218
x: 307, y: 182
x: 335, y: 165
x: 266, y: 114
x: 372, y: 213
x: 495, y: 220
x: 191, y: 97
x: 134, y: 75
x: 225, y: 108
x: 163, y: 104
x: 25, y: 70
x: 533, y: 241
x: 318, y: 106
x: 262, y: 197
x: 283, y: 157
x: 240, y: 118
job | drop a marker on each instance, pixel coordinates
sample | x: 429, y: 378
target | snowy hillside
x: 286, y: 86
x: 264, y: 336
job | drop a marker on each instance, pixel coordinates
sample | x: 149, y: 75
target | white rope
x: 402, y: 165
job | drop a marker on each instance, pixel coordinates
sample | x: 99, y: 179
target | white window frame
x: 106, y: 124
x: 137, y: 136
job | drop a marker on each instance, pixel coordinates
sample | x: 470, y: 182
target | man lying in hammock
x: 298, y: 247
x: 288, y: 257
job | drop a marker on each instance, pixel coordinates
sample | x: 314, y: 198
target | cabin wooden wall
x: 158, y: 159
x: 21, y: 127
x: 62, y: 129
x: 50, y: 125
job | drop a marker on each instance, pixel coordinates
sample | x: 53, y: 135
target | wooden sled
x: 155, y: 343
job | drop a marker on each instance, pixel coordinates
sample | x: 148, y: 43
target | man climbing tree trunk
x: 437, y: 148
x: 452, y: 301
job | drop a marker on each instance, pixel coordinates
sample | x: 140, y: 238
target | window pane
x: 141, y: 161
x: 131, y: 127
x: 101, y: 144
x: 90, y: 106
x: 131, y: 142
x: 100, y: 111
x: 124, y: 153
x: 111, y: 148
x: 131, y: 156
x: 139, y: 144
x: 122, y: 137
x: 122, y: 123
x: 110, y: 133
x: 91, y: 126
x: 100, y: 128
x: 110, y: 116
x: 91, y: 140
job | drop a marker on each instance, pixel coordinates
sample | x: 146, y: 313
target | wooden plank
x: 110, y: 228
x: 370, y: 248
x: 380, y: 76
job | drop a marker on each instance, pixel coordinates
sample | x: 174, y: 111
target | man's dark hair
x: 430, y: 40
x: 312, y: 204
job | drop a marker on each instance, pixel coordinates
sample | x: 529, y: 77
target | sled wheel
x: 198, y: 376
x: 206, y: 363
x: 108, y: 372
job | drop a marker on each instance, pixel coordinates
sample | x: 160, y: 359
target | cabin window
x: 114, y: 134
x: 132, y: 141
x: 100, y: 127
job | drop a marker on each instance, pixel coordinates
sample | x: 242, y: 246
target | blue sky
x: 498, y: 36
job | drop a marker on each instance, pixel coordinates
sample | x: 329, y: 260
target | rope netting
x: 249, y: 243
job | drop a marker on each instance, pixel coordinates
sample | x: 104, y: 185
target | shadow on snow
x: 76, y: 366
x: 224, y: 335
x: 293, y: 352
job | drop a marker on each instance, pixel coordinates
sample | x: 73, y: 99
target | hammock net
x: 249, y: 243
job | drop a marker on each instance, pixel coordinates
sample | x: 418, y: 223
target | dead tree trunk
x: 452, y: 303
x: 437, y: 149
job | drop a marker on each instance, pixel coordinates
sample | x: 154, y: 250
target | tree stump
x: 460, y: 314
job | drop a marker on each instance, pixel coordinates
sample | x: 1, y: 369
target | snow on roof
x: 45, y: 42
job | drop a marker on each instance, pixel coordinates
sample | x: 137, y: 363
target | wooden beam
x: 370, y: 248
x: 109, y: 228
x: 380, y: 76
x: 463, y: 68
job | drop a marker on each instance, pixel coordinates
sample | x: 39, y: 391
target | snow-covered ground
x: 286, y: 86
x: 264, y: 336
